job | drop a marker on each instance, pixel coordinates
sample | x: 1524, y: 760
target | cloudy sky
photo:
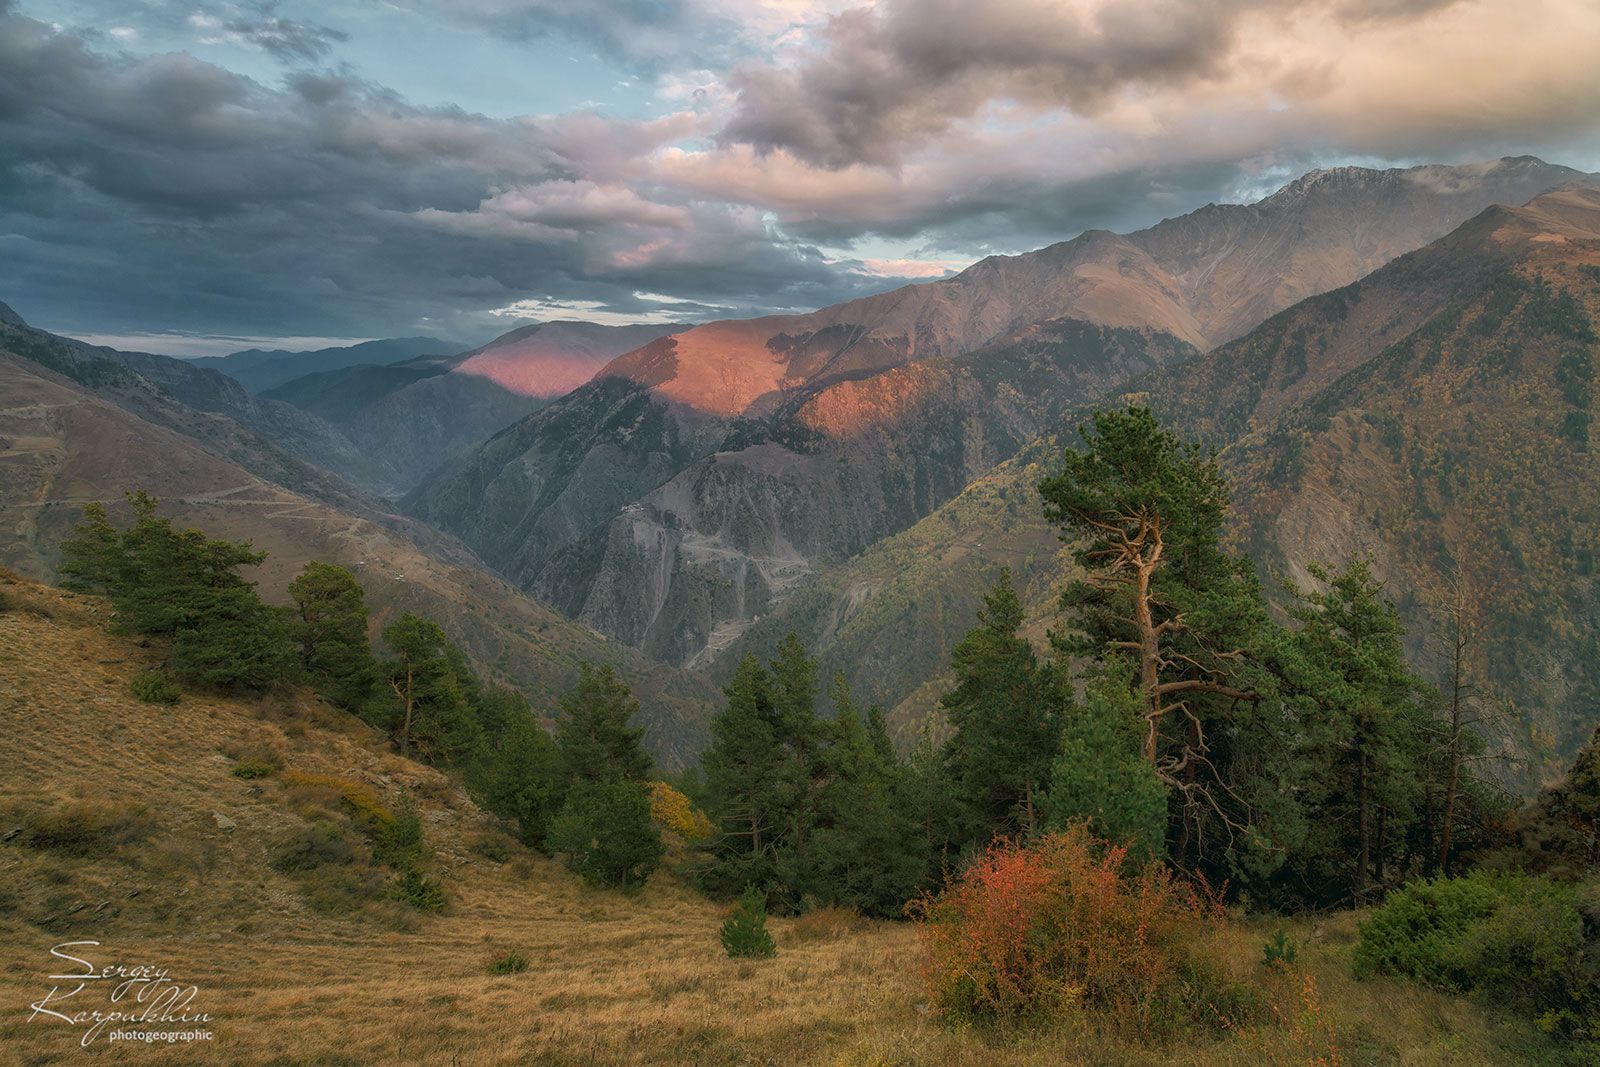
x: 192, y: 176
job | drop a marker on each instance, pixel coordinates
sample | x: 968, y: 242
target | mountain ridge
x: 698, y: 454
x: 259, y: 370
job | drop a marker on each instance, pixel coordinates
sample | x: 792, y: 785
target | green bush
x: 492, y: 847
x: 745, y: 932
x: 508, y: 963
x: 84, y: 828
x: 1422, y: 929
x: 413, y: 887
x: 398, y: 843
x: 340, y: 890
x: 606, y: 833
x: 1539, y: 954
x: 156, y: 687
x: 253, y: 768
x: 1528, y: 944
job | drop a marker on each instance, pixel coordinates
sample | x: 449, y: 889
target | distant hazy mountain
x: 696, y: 480
x: 62, y: 445
x: 261, y: 369
x: 9, y: 317
x: 272, y: 440
x: 406, y: 418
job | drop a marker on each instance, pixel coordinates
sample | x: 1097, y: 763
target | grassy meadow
x: 124, y: 822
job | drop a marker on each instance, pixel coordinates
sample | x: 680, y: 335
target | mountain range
x: 261, y: 369
x: 79, y: 424
x: 1434, y: 415
x: 1397, y: 363
x: 699, y: 480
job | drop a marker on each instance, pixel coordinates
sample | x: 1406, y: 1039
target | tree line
x: 1297, y: 761
x: 583, y: 792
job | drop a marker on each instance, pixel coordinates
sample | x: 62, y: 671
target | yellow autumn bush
x: 675, y: 812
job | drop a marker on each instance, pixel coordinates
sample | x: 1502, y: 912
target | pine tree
x: 743, y: 792
x: 184, y: 586
x: 1144, y: 513
x: 792, y: 678
x: 1560, y: 832
x: 1100, y: 775
x: 1004, y: 718
x: 429, y: 714
x: 331, y: 630
x: 516, y: 778
x: 93, y: 559
x: 864, y: 852
x: 1366, y: 736
x: 605, y: 830
x: 744, y: 934
x: 593, y: 734
x: 174, y: 578
x: 232, y: 641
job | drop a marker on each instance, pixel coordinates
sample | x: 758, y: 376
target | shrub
x: 1032, y: 930
x: 492, y: 847
x: 360, y: 801
x: 1534, y: 955
x: 334, y: 889
x: 398, y: 843
x: 675, y: 812
x: 253, y: 768
x: 156, y: 687
x: 1420, y: 931
x: 606, y: 833
x: 744, y: 934
x: 1279, y: 953
x: 84, y: 828
x: 1528, y: 944
x: 413, y: 887
x: 508, y: 963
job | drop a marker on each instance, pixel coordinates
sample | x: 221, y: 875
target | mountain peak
x: 9, y: 317
x: 1440, y: 178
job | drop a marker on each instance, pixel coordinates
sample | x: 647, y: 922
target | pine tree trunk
x: 1149, y: 659
x: 1364, y: 831
x: 1449, y: 810
x: 1380, y: 848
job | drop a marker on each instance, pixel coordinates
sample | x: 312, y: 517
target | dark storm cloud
x: 161, y: 192
x: 907, y: 70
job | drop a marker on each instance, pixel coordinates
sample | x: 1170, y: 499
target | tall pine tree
x: 1004, y: 715
x: 594, y: 735
x: 330, y: 628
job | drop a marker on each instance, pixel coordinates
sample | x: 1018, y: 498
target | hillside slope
x: 62, y: 447
x: 124, y: 823
x: 687, y: 490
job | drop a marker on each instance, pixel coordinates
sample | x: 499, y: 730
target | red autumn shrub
x: 1030, y: 930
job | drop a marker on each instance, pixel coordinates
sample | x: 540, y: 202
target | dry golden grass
x: 610, y: 978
